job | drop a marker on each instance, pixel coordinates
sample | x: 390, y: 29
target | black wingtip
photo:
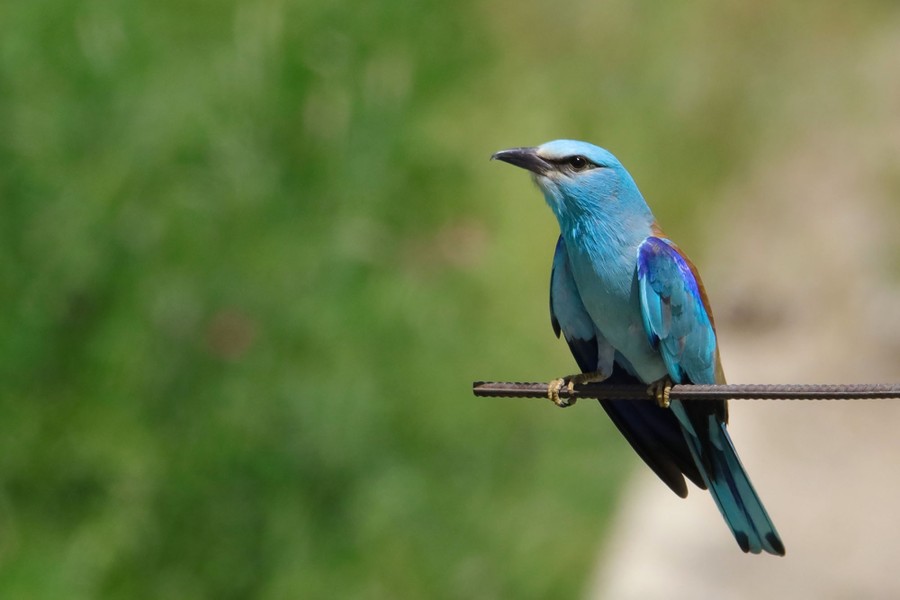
x: 776, y: 544
x: 742, y: 540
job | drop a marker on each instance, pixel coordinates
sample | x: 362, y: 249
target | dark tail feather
x: 656, y: 436
x: 728, y: 483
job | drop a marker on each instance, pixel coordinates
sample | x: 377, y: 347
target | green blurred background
x: 252, y: 255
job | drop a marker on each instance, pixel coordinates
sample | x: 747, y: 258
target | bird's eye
x: 578, y: 162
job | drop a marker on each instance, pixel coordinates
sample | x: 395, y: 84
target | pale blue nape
x: 575, y: 198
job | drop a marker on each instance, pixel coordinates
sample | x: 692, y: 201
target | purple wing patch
x: 674, y: 312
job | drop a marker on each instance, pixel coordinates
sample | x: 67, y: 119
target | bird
x: 632, y: 309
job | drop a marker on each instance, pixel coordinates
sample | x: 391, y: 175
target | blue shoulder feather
x: 675, y: 318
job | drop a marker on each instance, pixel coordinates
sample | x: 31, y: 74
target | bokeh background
x: 253, y: 254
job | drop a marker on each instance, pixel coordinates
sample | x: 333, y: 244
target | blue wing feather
x: 677, y: 322
x: 672, y: 308
x: 567, y: 311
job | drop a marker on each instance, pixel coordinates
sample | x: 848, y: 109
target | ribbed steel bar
x: 752, y: 391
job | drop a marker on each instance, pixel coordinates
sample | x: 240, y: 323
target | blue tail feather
x: 728, y: 483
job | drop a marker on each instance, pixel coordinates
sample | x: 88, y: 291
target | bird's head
x: 577, y: 178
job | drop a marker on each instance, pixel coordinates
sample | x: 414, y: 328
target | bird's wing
x: 676, y: 313
x: 652, y: 431
x: 568, y: 314
x: 679, y: 323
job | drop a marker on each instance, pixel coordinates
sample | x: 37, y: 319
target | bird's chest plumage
x: 605, y: 273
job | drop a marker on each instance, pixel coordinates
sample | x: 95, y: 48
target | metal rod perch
x: 753, y: 391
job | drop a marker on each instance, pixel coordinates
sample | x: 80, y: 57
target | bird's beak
x: 527, y: 158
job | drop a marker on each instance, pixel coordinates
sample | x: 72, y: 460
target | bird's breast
x: 606, y: 278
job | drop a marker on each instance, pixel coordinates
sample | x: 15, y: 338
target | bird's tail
x: 728, y: 483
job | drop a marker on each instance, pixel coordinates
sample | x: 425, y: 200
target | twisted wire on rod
x: 752, y: 391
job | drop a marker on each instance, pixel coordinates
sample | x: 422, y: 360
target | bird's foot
x: 569, y: 382
x: 660, y: 390
x: 553, y: 393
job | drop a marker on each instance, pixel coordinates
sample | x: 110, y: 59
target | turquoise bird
x: 632, y: 308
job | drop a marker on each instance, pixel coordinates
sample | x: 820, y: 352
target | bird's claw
x: 569, y: 383
x: 553, y: 392
x: 660, y: 391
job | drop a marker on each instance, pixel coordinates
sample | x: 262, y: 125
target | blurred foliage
x: 252, y: 254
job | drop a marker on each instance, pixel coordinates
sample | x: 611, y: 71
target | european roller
x: 632, y: 308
